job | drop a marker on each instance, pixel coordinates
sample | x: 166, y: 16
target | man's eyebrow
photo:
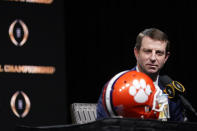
x: 146, y: 49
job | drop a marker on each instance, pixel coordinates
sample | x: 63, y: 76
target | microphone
x: 175, y: 89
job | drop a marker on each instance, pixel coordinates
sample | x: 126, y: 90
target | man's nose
x: 153, y: 57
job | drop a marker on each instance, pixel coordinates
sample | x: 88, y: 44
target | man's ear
x: 167, y: 56
x: 136, y: 53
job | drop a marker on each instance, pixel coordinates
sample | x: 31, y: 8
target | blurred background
x: 57, y: 53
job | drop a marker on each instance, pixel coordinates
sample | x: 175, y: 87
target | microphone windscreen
x: 165, y: 79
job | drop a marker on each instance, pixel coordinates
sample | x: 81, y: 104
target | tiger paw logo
x: 140, y: 91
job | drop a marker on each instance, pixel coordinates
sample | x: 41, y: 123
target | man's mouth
x: 152, y: 66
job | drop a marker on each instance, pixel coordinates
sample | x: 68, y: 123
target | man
x: 151, y: 52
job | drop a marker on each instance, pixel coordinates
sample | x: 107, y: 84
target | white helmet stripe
x: 108, y: 92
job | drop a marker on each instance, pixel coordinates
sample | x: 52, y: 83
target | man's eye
x: 147, y: 51
x: 160, y: 53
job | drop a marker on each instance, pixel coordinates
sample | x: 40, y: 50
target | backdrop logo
x: 27, y: 69
x: 20, y: 104
x: 34, y: 1
x: 18, y: 32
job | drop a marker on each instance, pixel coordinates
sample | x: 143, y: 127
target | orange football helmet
x: 131, y: 94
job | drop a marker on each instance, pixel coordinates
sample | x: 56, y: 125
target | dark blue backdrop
x: 45, y: 47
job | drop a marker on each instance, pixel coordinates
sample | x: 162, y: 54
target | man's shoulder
x: 122, y: 72
x: 133, y: 69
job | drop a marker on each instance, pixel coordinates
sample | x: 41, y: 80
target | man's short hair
x: 154, y: 34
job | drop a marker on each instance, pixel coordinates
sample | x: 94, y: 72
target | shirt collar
x: 155, y: 82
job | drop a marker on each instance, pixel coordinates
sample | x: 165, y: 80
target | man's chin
x: 152, y: 71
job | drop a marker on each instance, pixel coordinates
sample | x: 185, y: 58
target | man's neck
x: 154, y: 77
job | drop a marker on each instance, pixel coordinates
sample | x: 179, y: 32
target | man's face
x: 152, y: 55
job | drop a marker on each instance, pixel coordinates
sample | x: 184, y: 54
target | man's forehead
x: 147, y: 42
